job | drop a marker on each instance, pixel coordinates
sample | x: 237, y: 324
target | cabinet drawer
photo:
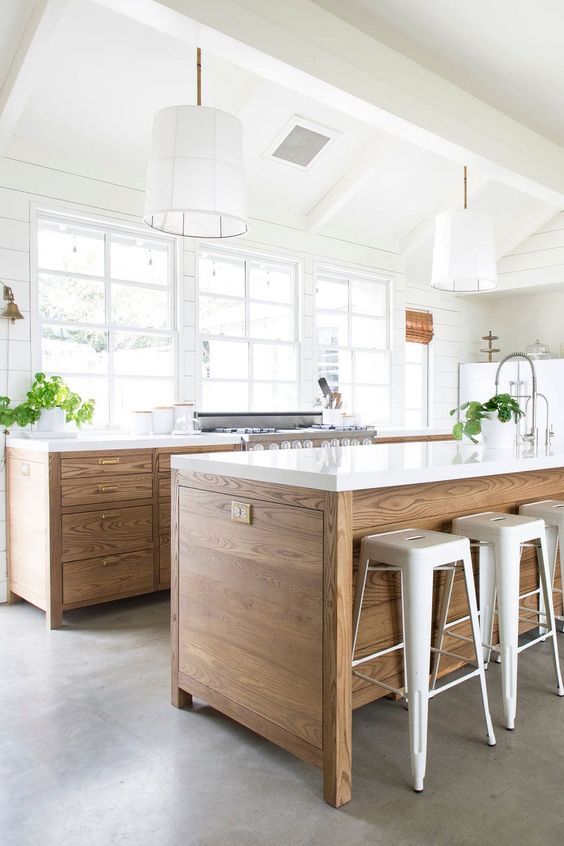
x: 102, y: 489
x: 91, y: 534
x: 165, y: 487
x: 108, y: 464
x: 108, y: 578
x: 164, y: 560
x: 164, y: 458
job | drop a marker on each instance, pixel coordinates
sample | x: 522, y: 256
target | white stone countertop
x: 98, y: 441
x: 377, y: 466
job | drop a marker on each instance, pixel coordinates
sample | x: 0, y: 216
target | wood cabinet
x: 89, y: 527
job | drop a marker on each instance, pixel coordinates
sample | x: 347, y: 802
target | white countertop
x: 428, y: 431
x: 376, y: 466
x: 91, y: 442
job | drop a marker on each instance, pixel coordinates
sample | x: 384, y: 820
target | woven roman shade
x: 418, y: 326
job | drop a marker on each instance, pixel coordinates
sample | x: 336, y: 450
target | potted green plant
x: 50, y: 404
x: 496, y: 420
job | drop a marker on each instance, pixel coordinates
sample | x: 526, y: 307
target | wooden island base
x: 261, y: 613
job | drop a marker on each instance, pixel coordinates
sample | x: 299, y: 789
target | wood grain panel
x: 90, y: 534
x: 105, y: 464
x: 259, y: 642
x: 164, y: 517
x: 411, y: 439
x: 165, y: 487
x: 101, y: 489
x: 244, y: 489
x: 163, y: 457
x: 97, y: 579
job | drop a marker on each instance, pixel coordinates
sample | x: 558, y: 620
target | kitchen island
x: 264, y: 549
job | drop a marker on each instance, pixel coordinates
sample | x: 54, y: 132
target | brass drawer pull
x: 107, y: 562
x: 108, y: 461
x: 108, y: 515
x: 107, y: 488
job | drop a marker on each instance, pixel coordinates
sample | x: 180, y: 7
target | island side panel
x: 248, y: 612
x: 433, y: 506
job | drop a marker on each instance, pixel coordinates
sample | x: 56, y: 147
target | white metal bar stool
x: 416, y: 554
x: 552, y: 512
x: 501, y: 538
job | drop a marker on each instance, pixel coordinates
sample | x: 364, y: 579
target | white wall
x: 23, y: 184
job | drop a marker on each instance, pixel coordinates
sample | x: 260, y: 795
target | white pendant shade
x: 464, y: 259
x: 195, y: 181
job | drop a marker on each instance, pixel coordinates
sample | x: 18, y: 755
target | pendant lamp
x: 195, y: 181
x: 464, y: 260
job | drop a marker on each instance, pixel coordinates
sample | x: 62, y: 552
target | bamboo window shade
x: 418, y: 326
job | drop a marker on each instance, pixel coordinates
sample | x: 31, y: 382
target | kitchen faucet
x: 531, y: 436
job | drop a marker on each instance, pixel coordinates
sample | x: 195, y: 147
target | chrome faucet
x: 531, y: 436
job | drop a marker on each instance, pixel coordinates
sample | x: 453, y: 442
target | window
x: 418, y: 336
x: 248, y: 335
x: 106, y: 314
x: 353, y: 341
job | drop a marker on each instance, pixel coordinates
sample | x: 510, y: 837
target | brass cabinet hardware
x: 107, y: 488
x: 110, y: 514
x: 107, y: 562
x: 108, y: 461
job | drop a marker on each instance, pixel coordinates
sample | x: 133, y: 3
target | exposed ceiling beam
x: 523, y: 229
x: 26, y: 65
x: 367, y: 164
x: 423, y: 230
x: 301, y: 46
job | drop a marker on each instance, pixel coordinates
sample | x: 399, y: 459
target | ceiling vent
x: 300, y: 143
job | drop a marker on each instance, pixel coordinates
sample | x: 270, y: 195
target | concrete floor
x: 92, y: 754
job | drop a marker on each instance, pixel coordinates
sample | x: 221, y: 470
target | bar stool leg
x: 361, y: 576
x: 443, y: 616
x: 487, y: 596
x: 473, y: 610
x: 507, y: 557
x: 551, y: 546
x: 418, y: 605
x: 561, y: 551
x: 546, y: 586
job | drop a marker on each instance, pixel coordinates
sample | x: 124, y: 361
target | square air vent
x: 300, y: 143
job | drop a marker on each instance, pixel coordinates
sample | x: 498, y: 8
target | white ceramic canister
x: 163, y: 420
x: 141, y: 422
x: 183, y: 415
x: 496, y: 434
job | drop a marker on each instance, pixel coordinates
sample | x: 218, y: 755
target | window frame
x: 347, y: 274
x: 426, y: 384
x: 108, y: 226
x: 248, y: 256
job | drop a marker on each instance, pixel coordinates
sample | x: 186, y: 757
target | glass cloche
x: 538, y: 350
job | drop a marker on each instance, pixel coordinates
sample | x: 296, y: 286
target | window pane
x: 414, y: 418
x: 90, y: 387
x: 68, y: 298
x: 372, y: 402
x: 335, y: 366
x: 369, y: 332
x: 271, y: 282
x: 368, y: 297
x: 414, y: 352
x: 141, y: 395
x: 219, y: 316
x: 272, y: 361
x: 220, y: 275
x: 277, y: 396
x: 332, y: 330
x: 73, y: 350
x: 332, y: 294
x: 413, y: 375
x: 372, y: 367
x: 138, y: 260
x: 225, y: 396
x: 141, y: 307
x: 225, y: 360
x: 61, y: 246
x: 140, y: 354
x: 270, y: 321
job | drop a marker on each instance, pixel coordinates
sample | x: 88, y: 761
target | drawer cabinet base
x: 110, y: 577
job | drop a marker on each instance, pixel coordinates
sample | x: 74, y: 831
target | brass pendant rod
x: 465, y: 187
x: 199, y: 76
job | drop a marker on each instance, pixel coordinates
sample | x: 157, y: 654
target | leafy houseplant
x: 47, y: 393
x: 505, y: 405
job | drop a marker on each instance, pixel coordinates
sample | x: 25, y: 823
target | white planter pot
x: 496, y: 434
x: 51, y: 420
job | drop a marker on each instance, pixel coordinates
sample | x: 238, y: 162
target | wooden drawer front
x: 111, y: 577
x: 95, y: 533
x: 164, y: 516
x: 164, y: 458
x: 100, y: 490
x: 165, y: 487
x: 108, y: 464
x: 164, y: 560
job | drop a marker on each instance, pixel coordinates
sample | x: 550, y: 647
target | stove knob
x: 366, y: 441
x: 258, y: 447
x: 334, y: 442
x: 325, y: 443
x: 274, y: 446
x: 286, y: 445
x: 308, y: 444
x: 355, y: 442
x: 345, y: 442
x: 296, y: 444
